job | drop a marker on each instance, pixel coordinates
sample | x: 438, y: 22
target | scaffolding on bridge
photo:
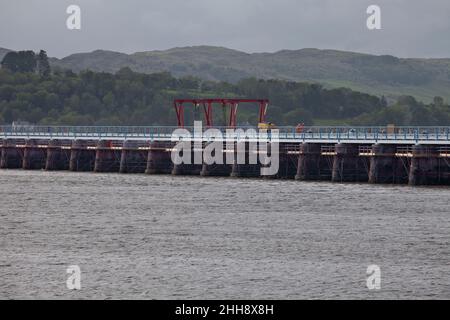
x: 208, y: 104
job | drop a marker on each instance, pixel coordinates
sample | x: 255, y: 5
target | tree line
x: 30, y: 91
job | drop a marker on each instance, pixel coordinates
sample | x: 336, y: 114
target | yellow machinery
x: 266, y: 125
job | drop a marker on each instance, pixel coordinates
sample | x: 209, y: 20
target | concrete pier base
x: 107, y: 159
x: 134, y: 157
x: 216, y: 170
x: 34, y: 156
x: 383, y: 164
x: 81, y: 157
x: 246, y: 170
x: 424, y: 169
x: 58, y: 158
x: 11, y: 155
x: 221, y: 169
x: 159, y: 160
x: 187, y: 169
x: 347, y: 165
x: 309, y: 160
x: 245, y: 162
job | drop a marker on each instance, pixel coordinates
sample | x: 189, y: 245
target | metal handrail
x: 335, y: 133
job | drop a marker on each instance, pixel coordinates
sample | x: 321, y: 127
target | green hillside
x: 129, y: 98
x: 379, y: 75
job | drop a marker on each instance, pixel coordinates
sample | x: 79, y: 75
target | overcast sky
x: 410, y: 28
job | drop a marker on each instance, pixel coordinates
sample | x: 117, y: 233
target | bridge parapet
x: 319, y: 134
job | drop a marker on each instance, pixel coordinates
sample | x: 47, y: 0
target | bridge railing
x: 86, y: 131
x: 370, y: 133
x: 339, y: 133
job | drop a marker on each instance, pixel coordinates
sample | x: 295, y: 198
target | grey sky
x: 411, y: 28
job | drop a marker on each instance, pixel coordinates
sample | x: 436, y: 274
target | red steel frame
x: 208, y: 109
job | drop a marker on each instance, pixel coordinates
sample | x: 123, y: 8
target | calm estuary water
x: 158, y: 237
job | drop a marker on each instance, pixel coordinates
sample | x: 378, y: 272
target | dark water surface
x: 157, y: 237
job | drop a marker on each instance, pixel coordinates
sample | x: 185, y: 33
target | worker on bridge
x: 299, y: 128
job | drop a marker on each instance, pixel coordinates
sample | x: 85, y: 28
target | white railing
x: 289, y: 134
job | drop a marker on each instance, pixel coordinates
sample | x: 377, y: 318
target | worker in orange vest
x: 299, y: 128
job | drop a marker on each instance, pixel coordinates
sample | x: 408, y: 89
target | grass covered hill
x: 379, y: 75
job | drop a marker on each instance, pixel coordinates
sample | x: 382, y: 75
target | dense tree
x: 130, y: 98
x: 407, y: 111
x: 21, y: 61
x: 42, y: 64
x: 438, y: 102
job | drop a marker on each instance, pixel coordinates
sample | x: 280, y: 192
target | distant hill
x: 380, y: 75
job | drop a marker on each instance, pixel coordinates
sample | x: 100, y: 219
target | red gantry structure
x: 208, y: 104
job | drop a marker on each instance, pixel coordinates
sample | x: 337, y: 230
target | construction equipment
x: 207, y: 104
x: 266, y: 125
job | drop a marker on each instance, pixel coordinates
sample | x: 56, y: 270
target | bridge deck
x: 361, y: 135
